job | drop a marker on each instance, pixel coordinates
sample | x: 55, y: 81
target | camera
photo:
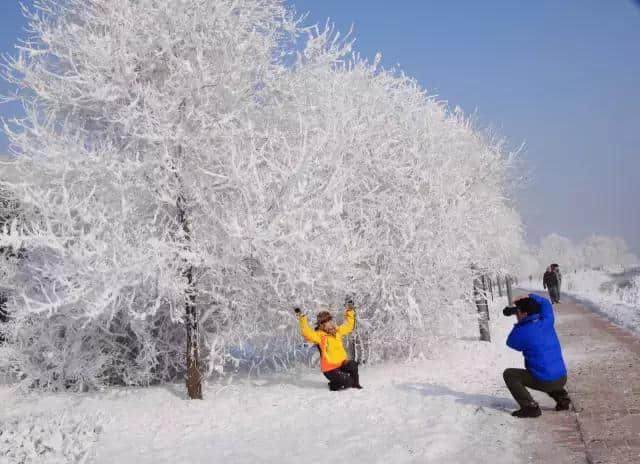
x: 509, y: 310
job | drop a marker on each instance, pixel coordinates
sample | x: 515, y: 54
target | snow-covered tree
x: 556, y: 248
x: 527, y: 264
x: 599, y: 250
x: 414, y: 194
x: 127, y: 164
x: 8, y: 203
x: 178, y: 165
x: 593, y: 252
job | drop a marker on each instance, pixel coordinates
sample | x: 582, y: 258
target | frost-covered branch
x: 305, y: 173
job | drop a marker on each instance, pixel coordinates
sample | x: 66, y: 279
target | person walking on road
x: 556, y: 268
x: 550, y: 283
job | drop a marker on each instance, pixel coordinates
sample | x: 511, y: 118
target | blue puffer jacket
x: 536, y: 337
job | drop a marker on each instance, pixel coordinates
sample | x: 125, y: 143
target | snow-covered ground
x: 614, y: 293
x: 451, y: 408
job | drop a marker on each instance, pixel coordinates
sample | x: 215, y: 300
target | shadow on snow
x: 472, y: 399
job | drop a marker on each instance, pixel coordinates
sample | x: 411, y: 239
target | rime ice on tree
x: 297, y: 183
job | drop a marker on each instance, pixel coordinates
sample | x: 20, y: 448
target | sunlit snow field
x: 450, y: 407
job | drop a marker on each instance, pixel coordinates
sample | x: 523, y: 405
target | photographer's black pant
x: 518, y: 379
x: 345, y: 376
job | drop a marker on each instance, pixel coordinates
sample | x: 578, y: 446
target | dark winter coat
x: 558, y: 277
x: 535, y: 336
x: 550, y: 279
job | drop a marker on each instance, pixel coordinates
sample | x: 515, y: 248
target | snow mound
x: 50, y: 438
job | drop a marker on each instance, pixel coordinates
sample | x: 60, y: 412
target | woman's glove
x: 348, y: 301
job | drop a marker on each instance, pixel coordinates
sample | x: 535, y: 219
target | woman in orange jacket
x: 334, y: 363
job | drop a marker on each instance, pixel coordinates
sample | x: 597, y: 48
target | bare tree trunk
x: 483, y: 310
x: 353, y: 352
x: 509, y: 292
x: 499, y: 286
x: 483, y: 281
x: 194, y: 377
x: 355, y: 344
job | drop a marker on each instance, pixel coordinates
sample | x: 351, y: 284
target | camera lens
x: 509, y: 310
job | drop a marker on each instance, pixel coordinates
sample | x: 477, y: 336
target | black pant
x: 554, y: 293
x: 345, y: 376
x: 518, y: 379
x: 559, y: 287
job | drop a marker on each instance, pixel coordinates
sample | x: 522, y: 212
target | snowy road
x: 604, y: 382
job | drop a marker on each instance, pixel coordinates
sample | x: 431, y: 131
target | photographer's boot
x: 563, y: 404
x: 527, y: 411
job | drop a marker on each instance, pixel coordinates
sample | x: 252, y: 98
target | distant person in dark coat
x: 555, y: 268
x: 550, y: 282
x: 535, y: 336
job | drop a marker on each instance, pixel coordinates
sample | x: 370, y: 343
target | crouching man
x: 341, y: 372
x: 535, y: 336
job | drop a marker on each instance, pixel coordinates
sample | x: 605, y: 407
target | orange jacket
x: 332, y: 352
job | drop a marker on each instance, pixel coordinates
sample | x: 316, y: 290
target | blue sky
x: 563, y: 77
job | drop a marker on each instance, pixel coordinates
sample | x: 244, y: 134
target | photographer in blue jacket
x: 535, y: 336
